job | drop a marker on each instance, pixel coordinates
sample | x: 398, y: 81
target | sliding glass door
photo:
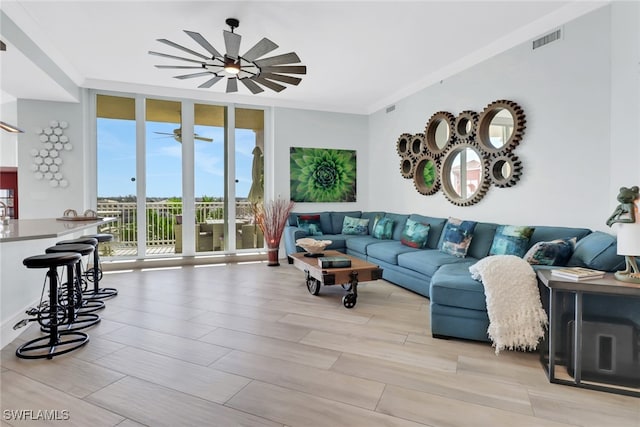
x: 167, y: 174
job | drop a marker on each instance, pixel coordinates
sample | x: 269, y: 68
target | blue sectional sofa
x: 458, y: 307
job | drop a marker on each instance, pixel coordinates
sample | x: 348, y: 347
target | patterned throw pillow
x: 554, y: 252
x: 310, y: 224
x: 511, y: 240
x: 415, y: 234
x: 457, y: 237
x: 383, y: 229
x: 352, y: 225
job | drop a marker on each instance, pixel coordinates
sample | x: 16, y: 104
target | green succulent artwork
x: 322, y: 175
x: 429, y: 173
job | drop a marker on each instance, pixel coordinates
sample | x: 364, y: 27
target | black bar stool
x: 79, y: 312
x: 56, y: 343
x: 95, y: 274
x: 88, y: 274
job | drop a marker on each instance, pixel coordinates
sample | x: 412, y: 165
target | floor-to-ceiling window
x: 187, y: 174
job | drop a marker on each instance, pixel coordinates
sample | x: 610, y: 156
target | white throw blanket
x: 516, y: 317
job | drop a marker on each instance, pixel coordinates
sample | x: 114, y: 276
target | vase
x: 272, y: 257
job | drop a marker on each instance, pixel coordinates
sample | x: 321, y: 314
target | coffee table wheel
x: 313, y: 285
x: 347, y: 286
x: 349, y: 300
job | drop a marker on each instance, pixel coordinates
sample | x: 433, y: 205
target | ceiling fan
x: 251, y: 71
x: 177, y: 135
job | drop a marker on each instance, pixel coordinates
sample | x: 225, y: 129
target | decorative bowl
x: 313, y: 246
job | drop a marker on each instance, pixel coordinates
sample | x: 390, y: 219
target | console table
x: 607, y: 285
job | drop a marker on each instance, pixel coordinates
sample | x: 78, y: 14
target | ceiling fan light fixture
x: 231, y: 66
x: 246, y: 68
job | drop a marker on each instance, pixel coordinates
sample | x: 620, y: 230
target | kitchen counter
x: 21, y: 287
x: 31, y: 229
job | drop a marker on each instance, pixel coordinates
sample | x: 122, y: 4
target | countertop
x: 32, y: 229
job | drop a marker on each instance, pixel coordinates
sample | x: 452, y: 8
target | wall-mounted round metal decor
x: 464, y: 155
x: 501, y: 126
x: 426, y: 178
x: 505, y: 170
x: 465, y: 127
x: 407, y: 166
x: 417, y: 145
x: 439, y: 132
x: 403, y: 144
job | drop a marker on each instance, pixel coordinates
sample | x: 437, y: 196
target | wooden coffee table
x: 348, y: 277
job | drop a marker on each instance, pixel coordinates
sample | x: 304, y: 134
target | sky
x: 117, y: 160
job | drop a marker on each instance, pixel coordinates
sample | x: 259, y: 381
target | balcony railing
x: 161, y: 220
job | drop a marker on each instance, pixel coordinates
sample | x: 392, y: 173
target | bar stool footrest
x: 64, y: 343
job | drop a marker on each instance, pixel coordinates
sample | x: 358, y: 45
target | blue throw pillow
x: 310, y: 224
x: 457, y: 237
x: 415, y: 234
x: 511, y: 240
x: 383, y: 229
x: 356, y: 226
x: 554, y: 252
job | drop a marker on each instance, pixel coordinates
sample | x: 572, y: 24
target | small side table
x: 607, y: 285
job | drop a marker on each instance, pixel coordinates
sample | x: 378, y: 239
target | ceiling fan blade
x: 261, y: 48
x: 210, y: 82
x: 202, y: 138
x: 203, y: 42
x: 164, y: 55
x: 180, y: 67
x: 271, y: 85
x: 232, y: 44
x: 165, y: 133
x: 177, y: 46
x: 281, y: 78
x: 232, y: 84
x: 289, y: 69
x: 190, y: 76
x: 287, y: 58
x: 252, y: 86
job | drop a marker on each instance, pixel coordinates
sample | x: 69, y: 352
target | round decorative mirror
x: 501, y: 126
x: 426, y: 177
x: 402, y: 146
x: 439, y: 132
x: 463, y: 175
x: 407, y: 167
x: 417, y: 145
x: 505, y: 171
x: 465, y: 126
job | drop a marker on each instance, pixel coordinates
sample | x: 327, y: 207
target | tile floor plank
x: 154, y: 405
x: 185, y: 377
x: 319, y: 382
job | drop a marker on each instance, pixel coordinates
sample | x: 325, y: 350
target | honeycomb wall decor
x: 47, y: 160
x: 466, y: 154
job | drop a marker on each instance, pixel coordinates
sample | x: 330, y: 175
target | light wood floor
x: 247, y: 345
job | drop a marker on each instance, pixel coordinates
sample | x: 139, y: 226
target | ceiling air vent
x: 391, y: 108
x: 546, y: 39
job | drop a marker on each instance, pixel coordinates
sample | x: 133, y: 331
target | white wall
x: 8, y: 141
x: 37, y: 198
x: 317, y: 129
x: 625, y: 96
x: 565, y: 91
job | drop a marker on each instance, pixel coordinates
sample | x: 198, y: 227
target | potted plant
x: 271, y: 216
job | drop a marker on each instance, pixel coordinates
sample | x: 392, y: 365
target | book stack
x: 577, y: 273
x: 334, y: 262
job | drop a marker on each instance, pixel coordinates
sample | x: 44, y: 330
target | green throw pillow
x: 415, y: 234
x: 352, y: 225
x: 511, y: 240
x: 383, y: 229
x: 310, y: 224
x: 554, y: 252
x: 457, y: 237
